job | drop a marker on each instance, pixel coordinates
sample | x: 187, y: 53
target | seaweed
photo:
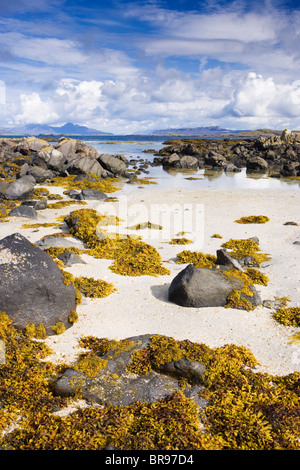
x: 106, y: 185
x: 130, y: 256
x: 246, y: 410
x: 253, y: 219
x: 199, y: 259
x: 181, y: 241
x: 289, y: 316
x: 240, y: 248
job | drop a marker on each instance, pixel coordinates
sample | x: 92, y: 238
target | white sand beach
x: 140, y: 305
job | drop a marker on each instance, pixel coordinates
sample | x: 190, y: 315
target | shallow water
x: 174, y: 179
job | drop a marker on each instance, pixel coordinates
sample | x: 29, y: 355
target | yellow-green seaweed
x: 253, y: 219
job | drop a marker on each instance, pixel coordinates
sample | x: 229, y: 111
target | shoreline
x: 140, y: 304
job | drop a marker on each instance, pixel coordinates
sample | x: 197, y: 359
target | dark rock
x: 257, y: 164
x: 70, y: 258
x: 32, y: 288
x: 38, y: 205
x: 23, y: 211
x: 203, y: 287
x: 171, y: 159
x: 193, y: 370
x: 20, y: 189
x: 215, y: 159
x: 231, y: 168
x: 187, y: 161
x: 85, y: 178
x: 89, y: 194
x: 224, y: 259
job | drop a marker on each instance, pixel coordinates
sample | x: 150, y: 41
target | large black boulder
x: 204, y: 287
x: 32, y: 288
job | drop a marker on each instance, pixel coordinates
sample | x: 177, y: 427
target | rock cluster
x: 277, y: 156
x: 37, y: 161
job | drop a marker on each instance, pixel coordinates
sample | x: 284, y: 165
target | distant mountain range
x: 71, y: 129
x: 66, y: 129
x: 211, y: 130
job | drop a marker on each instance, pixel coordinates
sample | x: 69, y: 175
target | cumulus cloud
x: 168, y: 99
x: 258, y: 96
x: 33, y: 109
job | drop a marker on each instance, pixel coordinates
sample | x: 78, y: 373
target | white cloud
x: 33, y: 109
x: 258, y: 100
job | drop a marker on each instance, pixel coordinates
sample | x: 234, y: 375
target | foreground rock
x: 204, y: 287
x: 32, y: 290
x: 114, y: 385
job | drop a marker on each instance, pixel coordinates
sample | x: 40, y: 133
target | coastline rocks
x: 86, y: 194
x: 183, y: 162
x: 257, y: 164
x: 116, y: 386
x: 277, y: 156
x: 53, y: 158
x: 85, y: 165
x: 204, y: 287
x: 114, y: 164
x: 23, y: 211
x: 20, y: 189
x: 30, y: 144
x: 32, y: 289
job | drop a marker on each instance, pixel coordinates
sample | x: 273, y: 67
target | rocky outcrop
x: 276, y: 155
x: 32, y: 288
x: 116, y: 385
x: 41, y: 161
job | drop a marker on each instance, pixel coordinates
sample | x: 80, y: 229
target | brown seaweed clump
x: 131, y: 256
x: 253, y: 219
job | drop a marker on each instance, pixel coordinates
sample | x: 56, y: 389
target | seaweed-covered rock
x: 204, y: 287
x: 114, y: 384
x: 32, y: 288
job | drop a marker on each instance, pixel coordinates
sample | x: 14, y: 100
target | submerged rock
x: 32, y: 288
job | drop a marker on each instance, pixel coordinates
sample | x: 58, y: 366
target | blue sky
x: 132, y: 66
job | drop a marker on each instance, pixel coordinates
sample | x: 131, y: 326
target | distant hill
x: 211, y: 130
x: 66, y: 129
